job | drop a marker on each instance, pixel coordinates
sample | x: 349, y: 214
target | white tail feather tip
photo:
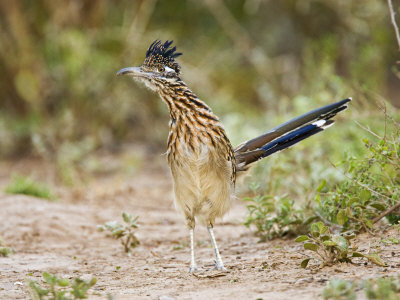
x: 319, y: 123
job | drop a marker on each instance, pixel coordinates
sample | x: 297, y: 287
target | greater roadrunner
x: 203, y: 162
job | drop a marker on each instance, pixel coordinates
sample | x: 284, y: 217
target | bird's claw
x: 219, y: 267
x: 193, y: 268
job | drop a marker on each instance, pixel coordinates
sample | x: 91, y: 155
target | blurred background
x: 256, y: 63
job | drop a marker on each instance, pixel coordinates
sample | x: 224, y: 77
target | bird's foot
x: 193, y: 268
x: 219, y: 266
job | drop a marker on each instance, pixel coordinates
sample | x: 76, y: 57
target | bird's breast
x: 200, y: 146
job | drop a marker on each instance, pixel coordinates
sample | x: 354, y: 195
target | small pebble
x: 304, y: 280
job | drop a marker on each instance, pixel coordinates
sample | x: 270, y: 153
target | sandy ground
x: 61, y: 238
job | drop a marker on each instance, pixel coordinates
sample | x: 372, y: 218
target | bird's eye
x: 161, y: 69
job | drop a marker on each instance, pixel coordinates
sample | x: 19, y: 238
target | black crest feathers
x: 158, y: 48
x: 162, y: 54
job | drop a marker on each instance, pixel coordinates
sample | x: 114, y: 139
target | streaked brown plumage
x: 203, y: 163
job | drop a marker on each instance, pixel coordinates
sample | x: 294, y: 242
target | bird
x: 203, y: 163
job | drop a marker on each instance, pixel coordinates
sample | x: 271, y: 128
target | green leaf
x: 301, y: 238
x: 133, y: 222
x: 39, y: 291
x: 342, y: 243
x: 357, y: 254
x: 351, y: 201
x: 360, y: 206
x: 323, y: 230
x: 118, y: 233
x: 311, y: 246
x: 315, y: 234
x: 318, y: 198
x: 304, y: 263
x: 330, y: 243
x: 320, y: 225
x: 295, y: 222
x: 50, y: 279
x: 126, y: 217
x: 309, y: 220
x: 325, y: 237
x: 111, y: 225
x: 349, y: 212
x: 63, y: 282
x: 315, y: 229
x: 369, y: 223
x: 341, y: 217
x: 365, y: 195
x: 374, y: 258
x: 92, y: 282
x: 321, y: 186
x: 378, y: 206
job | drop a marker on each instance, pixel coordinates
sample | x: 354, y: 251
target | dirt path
x: 61, y: 237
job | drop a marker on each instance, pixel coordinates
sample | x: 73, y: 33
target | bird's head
x: 158, y: 67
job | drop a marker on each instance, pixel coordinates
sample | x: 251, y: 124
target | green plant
x: 124, y: 232
x: 4, y: 250
x: 392, y: 241
x: 382, y: 288
x: 275, y: 216
x: 27, y: 186
x: 372, y: 186
x: 338, y: 289
x: 180, y: 246
x: 332, y: 248
x: 55, y: 288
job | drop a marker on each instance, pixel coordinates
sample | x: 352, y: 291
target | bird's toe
x: 219, y: 267
x: 193, y: 268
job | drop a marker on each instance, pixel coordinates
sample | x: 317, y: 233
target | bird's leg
x: 219, y: 265
x: 193, y: 266
x: 191, y: 224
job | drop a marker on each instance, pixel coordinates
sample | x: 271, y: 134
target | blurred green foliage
x: 257, y: 63
x: 4, y: 249
x: 27, y: 186
x: 381, y: 288
x: 54, y: 288
x: 339, y: 289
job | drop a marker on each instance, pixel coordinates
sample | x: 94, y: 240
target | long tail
x: 287, y: 134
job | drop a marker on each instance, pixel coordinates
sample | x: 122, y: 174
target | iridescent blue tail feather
x: 287, y: 134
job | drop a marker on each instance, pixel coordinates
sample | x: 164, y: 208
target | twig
x: 360, y: 184
x: 392, y: 17
x: 367, y: 129
x: 385, y: 213
x: 387, y: 116
x: 383, y: 109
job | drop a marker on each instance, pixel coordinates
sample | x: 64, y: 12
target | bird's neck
x: 183, y: 104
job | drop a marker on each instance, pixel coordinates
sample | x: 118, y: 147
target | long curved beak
x: 136, y: 71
